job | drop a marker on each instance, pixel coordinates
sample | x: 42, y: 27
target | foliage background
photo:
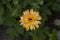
x: 11, y: 10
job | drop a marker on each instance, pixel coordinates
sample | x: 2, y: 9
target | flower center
x: 30, y: 19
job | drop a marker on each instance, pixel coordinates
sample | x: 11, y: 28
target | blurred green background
x: 11, y: 10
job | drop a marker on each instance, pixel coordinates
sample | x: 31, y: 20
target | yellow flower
x: 30, y: 19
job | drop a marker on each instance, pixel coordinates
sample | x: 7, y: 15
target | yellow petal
x: 26, y: 12
x: 21, y: 18
x: 21, y: 23
x: 26, y: 27
x: 37, y: 26
x: 37, y: 22
x: 36, y: 16
x: 31, y: 28
x: 34, y: 28
x: 31, y: 11
x: 37, y: 13
x: 39, y: 18
x: 34, y: 13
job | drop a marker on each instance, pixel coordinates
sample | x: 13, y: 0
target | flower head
x: 30, y: 19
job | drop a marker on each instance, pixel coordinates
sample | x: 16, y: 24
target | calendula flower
x: 30, y: 19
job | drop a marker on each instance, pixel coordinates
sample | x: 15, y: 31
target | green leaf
x: 9, y: 6
x: 25, y: 3
x: 41, y: 2
x: 7, y: 1
x: 44, y: 17
x: 53, y: 35
x: 56, y: 7
x: 2, y: 1
x: 15, y: 2
x: 58, y: 1
x: 40, y: 34
x: 1, y: 14
x: 45, y: 10
x: 35, y: 5
x: 10, y: 21
x: 19, y: 29
x: 15, y: 9
x: 45, y: 30
x: 1, y: 10
x: 35, y: 37
x: 14, y: 12
x: 26, y: 35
